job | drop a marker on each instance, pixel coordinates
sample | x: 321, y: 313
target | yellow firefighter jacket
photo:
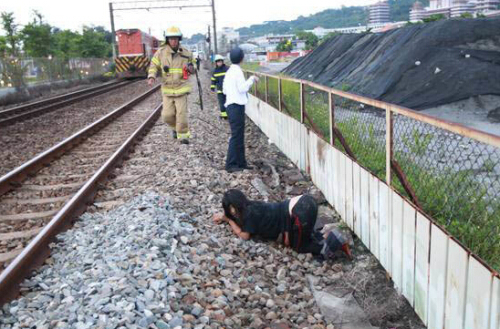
x: 172, y: 82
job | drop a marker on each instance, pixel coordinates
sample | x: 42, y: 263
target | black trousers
x: 236, y: 150
x: 222, y: 100
x: 303, y: 238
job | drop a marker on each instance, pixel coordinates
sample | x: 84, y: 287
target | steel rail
x: 15, y: 177
x: 21, y: 108
x: 27, y: 111
x: 37, y: 250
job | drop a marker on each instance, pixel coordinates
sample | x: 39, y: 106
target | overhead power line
x: 157, y: 4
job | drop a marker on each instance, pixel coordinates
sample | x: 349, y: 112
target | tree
x: 108, y: 36
x: 285, y: 45
x: 65, y: 43
x: 93, y: 43
x: 434, y: 18
x: 466, y: 15
x: 37, y: 37
x: 12, y: 68
x: 12, y: 36
x: 3, y: 46
x: 310, y: 39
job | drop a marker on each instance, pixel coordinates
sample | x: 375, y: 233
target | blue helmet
x: 236, y: 55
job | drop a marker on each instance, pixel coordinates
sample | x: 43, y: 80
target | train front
x: 135, y: 50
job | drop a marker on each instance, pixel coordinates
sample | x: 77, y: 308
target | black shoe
x: 234, y: 169
x: 185, y: 141
x: 174, y: 134
x: 247, y: 167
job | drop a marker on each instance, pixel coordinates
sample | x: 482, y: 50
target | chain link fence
x: 21, y: 73
x: 453, y: 178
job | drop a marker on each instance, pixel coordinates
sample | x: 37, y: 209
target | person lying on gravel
x: 294, y: 219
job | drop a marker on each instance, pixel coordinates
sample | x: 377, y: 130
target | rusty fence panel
x: 444, y: 180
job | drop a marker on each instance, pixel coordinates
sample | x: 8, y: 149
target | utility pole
x: 209, y: 45
x: 215, y: 26
x: 113, y: 33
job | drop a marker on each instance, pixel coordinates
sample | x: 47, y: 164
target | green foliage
x: 40, y: 39
x: 330, y: 18
x: 65, y: 44
x: 466, y: 15
x: 11, y: 38
x: 400, y: 9
x: 285, y: 45
x: 12, y: 70
x: 434, y: 18
x: 92, y: 43
x: 37, y: 37
x: 418, y: 142
x: 3, y: 46
x: 345, y: 87
x: 310, y: 39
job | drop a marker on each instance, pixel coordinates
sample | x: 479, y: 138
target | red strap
x: 299, y: 225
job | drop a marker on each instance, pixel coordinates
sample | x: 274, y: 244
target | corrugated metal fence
x: 448, y: 286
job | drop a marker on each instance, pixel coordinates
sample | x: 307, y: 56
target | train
x: 135, y: 50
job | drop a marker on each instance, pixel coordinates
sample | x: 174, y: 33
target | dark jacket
x: 218, y: 78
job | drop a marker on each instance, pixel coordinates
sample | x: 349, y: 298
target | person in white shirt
x: 235, y: 88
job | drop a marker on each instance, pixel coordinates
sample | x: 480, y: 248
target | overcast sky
x: 71, y: 14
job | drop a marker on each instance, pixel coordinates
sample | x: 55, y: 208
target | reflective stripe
x: 214, y: 79
x: 185, y: 135
x: 219, y: 91
x: 171, y: 70
x: 179, y: 91
x: 212, y: 86
x: 223, y: 114
x: 219, y: 74
x: 156, y: 61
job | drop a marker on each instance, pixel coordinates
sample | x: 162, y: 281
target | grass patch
x: 250, y: 66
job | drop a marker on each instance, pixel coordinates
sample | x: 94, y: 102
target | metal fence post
x: 280, y: 95
x: 331, y: 107
x: 302, y: 102
x: 255, y: 89
x: 389, y: 143
x: 267, y: 88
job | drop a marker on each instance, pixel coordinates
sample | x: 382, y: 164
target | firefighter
x: 217, y: 83
x: 175, y: 64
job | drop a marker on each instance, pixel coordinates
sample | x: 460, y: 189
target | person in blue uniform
x: 217, y: 83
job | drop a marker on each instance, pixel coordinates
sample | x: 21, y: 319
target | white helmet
x: 218, y: 58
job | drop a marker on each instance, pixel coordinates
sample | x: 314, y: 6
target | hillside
x: 329, y: 18
x: 457, y: 59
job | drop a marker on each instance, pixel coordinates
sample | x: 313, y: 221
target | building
x: 380, y: 13
x: 269, y: 42
x: 227, y: 37
x: 417, y: 12
x: 483, y: 6
x: 453, y: 8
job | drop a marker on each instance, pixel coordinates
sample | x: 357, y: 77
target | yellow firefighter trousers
x: 175, y: 114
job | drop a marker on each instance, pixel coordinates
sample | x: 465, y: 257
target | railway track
x: 30, y: 110
x: 41, y: 197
